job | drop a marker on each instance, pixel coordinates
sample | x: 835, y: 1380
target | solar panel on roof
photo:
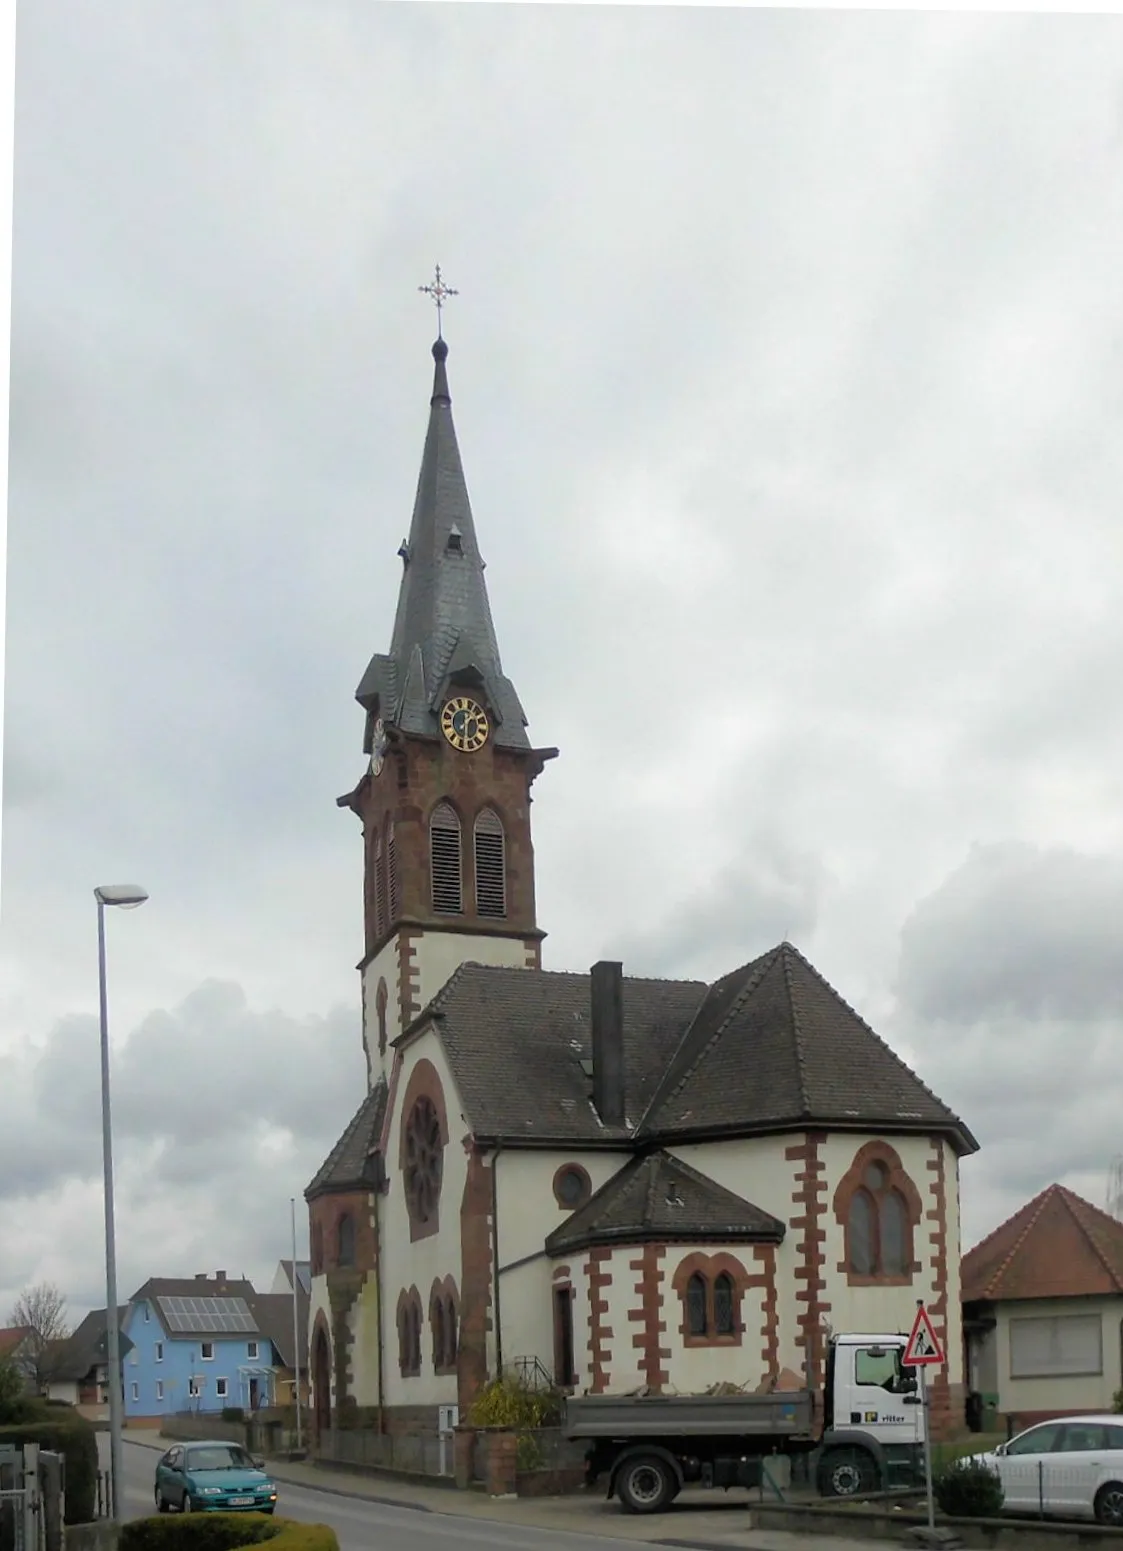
x: 187, y: 1316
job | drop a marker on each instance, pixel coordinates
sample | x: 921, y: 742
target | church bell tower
x: 445, y: 799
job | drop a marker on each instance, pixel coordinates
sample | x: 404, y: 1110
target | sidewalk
x: 706, y: 1520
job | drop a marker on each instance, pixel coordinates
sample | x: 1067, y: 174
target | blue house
x: 200, y: 1344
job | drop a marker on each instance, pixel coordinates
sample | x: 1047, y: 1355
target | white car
x: 1071, y: 1468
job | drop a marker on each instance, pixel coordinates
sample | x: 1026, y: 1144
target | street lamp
x: 126, y: 896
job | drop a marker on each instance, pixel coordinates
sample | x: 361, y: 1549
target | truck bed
x: 786, y: 1414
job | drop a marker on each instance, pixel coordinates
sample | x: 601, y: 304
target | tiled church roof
x: 347, y: 1166
x: 659, y: 1197
x: 768, y: 1047
x: 1057, y: 1246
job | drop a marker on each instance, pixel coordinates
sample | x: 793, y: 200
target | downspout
x: 495, y: 1258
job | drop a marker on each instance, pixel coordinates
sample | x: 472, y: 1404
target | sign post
x: 923, y: 1352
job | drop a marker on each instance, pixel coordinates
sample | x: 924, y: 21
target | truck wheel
x: 645, y: 1484
x: 846, y: 1473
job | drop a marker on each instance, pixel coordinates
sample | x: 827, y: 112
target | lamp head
x: 125, y: 895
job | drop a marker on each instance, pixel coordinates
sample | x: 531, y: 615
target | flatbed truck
x: 865, y: 1433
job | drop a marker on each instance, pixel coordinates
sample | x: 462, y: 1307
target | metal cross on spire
x: 438, y: 291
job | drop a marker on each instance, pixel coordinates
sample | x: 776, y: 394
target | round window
x: 571, y: 1186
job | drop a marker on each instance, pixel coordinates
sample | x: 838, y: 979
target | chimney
x: 607, y: 989
x: 220, y: 1276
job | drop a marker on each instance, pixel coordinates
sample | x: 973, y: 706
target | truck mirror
x: 876, y: 1351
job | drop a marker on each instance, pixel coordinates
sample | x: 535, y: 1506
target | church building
x: 610, y: 1180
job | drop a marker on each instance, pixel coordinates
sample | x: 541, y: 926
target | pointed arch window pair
x: 446, y: 854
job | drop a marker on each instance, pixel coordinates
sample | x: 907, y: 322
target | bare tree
x: 42, y: 1311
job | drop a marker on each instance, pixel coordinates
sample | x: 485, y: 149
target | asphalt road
x: 368, y: 1526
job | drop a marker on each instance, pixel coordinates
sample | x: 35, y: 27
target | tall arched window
x: 878, y: 1207
x: 723, y: 1304
x: 317, y: 1249
x: 381, y: 1001
x: 444, y: 854
x: 345, y: 1240
x: 491, y: 864
x: 696, y: 1305
x: 379, y: 888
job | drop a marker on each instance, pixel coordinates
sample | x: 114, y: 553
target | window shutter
x: 393, y: 882
x: 491, y: 865
x: 1062, y: 1347
x: 444, y: 852
x: 379, y: 888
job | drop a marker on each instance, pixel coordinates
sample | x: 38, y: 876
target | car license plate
x: 240, y: 1502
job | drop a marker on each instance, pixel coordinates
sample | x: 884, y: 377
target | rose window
x: 424, y: 1160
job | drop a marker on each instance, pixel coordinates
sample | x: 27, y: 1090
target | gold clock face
x: 464, y: 723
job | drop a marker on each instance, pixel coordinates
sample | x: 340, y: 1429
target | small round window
x: 572, y: 1187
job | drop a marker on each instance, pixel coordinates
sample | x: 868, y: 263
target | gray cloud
x: 785, y: 368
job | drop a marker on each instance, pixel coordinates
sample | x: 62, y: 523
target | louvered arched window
x: 379, y: 888
x: 491, y: 864
x: 393, y: 883
x: 444, y: 855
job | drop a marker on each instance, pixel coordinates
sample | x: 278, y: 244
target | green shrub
x: 968, y: 1489
x: 71, y: 1436
x: 12, y: 1389
x: 507, y: 1403
x: 224, y: 1532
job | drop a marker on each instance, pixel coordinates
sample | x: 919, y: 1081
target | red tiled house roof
x: 1057, y: 1246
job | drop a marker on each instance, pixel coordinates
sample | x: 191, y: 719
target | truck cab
x: 873, y: 1434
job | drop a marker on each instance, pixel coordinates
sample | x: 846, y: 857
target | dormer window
x: 455, y: 545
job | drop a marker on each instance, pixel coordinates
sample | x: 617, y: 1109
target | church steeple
x: 443, y: 635
x: 445, y: 801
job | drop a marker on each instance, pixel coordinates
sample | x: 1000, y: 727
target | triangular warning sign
x: 924, y: 1345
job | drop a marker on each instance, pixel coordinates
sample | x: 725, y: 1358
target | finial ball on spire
x: 440, y: 350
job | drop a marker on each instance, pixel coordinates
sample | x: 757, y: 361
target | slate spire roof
x: 443, y: 631
x: 660, y: 1197
x: 1056, y: 1246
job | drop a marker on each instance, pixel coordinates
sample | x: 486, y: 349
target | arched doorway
x: 321, y: 1381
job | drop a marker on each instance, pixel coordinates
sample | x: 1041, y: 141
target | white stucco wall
x: 418, y: 1264
x: 526, y: 1213
x: 437, y: 955
x: 1090, y: 1392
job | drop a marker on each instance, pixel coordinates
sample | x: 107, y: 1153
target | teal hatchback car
x: 214, y: 1477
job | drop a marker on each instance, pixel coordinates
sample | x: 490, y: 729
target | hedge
x: 74, y: 1438
x: 224, y: 1532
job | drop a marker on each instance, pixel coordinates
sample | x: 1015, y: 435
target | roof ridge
x: 1032, y: 1216
x: 1072, y: 1201
x: 785, y: 949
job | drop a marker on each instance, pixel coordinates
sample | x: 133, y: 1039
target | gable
x: 1056, y: 1246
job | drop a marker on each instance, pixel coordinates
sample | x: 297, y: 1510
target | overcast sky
x: 786, y: 368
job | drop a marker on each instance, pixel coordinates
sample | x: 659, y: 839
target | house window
x: 878, y: 1206
x: 159, y: 1349
x: 409, y: 1333
x: 251, y: 1349
x: 135, y: 1391
x: 220, y: 1388
x: 1063, y: 1346
x: 159, y: 1389
x: 147, y: 1314
x: 491, y: 865
x: 194, y: 1387
x: 445, y: 863
x: 206, y: 1351
x: 710, y: 1288
x: 345, y: 1240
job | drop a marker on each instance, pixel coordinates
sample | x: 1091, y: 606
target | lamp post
x: 126, y: 896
